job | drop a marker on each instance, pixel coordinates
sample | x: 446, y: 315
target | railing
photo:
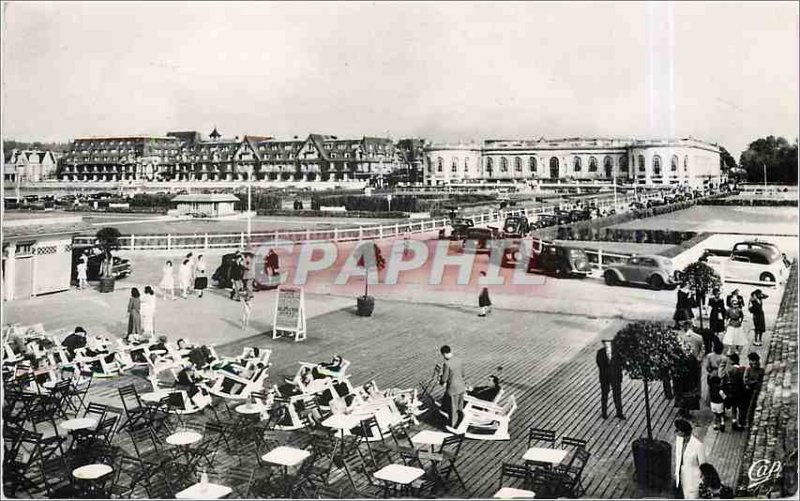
x: 240, y: 240
x: 598, y: 258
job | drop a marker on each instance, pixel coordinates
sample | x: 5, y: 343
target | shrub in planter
x: 702, y: 279
x: 649, y: 351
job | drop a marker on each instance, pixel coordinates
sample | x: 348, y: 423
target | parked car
x: 516, y: 226
x: 120, y: 267
x: 479, y: 239
x: 749, y: 261
x: 223, y: 280
x: 563, y: 217
x: 655, y: 271
x: 639, y: 205
x: 548, y: 258
x: 460, y: 226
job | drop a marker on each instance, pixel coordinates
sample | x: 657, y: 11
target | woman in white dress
x: 735, y: 337
x: 185, y: 277
x: 167, y: 284
x: 148, y: 312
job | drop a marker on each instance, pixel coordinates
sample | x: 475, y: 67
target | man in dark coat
x: 452, y: 377
x: 610, y: 372
x: 74, y: 341
x: 236, y: 275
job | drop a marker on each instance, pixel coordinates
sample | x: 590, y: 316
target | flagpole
x: 764, y: 165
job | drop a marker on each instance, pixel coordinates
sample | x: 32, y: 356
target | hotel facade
x: 187, y: 156
x: 648, y: 162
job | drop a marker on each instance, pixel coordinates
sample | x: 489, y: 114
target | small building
x: 29, y: 165
x: 37, y: 255
x: 207, y: 204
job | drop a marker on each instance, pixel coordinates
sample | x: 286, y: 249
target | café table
x: 184, y: 438
x: 88, y: 478
x: 341, y: 422
x: 512, y: 493
x: 205, y: 490
x: 286, y: 457
x: 430, y: 438
x: 399, y: 475
x: 84, y: 423
x: 545, y: 456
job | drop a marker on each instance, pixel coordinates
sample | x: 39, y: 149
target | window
x: 466, y: 164
x: 592, y: 164
x: 641, y: 163
x: 674, y: 163
x: 608, y: 165
x: 576, y: 164
x: 656, y: 165
x: 439, y: 164
x: 623, y: 164
x: 532, y: 164
x: 517, y: 164
x: 454, y: 165
x: 503, y: 164
x: 686, y: 163
x: 489, y: 165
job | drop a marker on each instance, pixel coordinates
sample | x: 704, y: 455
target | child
x: 717, y: 398
x: 82, y: 266
x: 247, y: 307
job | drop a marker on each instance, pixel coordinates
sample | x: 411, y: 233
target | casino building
x: 647, y: 162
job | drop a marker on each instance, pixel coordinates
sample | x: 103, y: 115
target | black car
x: 560, y: 261
x: 479, y: 239
x: 516, y: 226
x: 460, y: 227
x: 120, y: 267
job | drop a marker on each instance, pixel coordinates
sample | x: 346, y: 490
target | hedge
x: 648, y: 236
x: 325, y: 213
x: 765, y: 202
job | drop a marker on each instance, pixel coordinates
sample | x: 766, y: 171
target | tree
x: 776, y: 155
x: 107, y: 241
x: 726, y: 161
x: 701, y: 278
x: 649, y: 351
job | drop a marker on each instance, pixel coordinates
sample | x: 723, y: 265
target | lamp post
x: 249, y: 200
x: 615, y: 193
x: 764, y: 165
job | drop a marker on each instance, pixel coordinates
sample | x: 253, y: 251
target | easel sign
x: 290, y: 314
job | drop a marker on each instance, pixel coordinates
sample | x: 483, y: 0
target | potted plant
x: 370, y: 258
x: 701, y: 278
x: 107, y: 240
x: 649, y: 351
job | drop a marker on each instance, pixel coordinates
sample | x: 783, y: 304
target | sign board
x: 290, y: 314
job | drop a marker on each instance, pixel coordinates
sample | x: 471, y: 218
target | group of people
x: 694, y: 478
x: 141, y: 313
x: 191, y: 277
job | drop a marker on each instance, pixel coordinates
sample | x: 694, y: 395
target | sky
x: 722, y: 72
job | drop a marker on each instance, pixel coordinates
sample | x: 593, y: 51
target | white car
x: 751, y: 263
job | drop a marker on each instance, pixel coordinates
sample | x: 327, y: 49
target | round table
x: 182, y: 438
x: 250, y: 408
x: 78, y: 424
x: 91, y: 471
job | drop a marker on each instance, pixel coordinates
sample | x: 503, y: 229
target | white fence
x: 240, y: 240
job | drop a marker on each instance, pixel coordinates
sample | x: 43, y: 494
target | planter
x: 364, y: 306
x: 107, y: 284
x: 652, y: 460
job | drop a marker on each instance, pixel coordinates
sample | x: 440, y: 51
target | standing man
x: 236, y: 274
x: 610, y: 373
x: 249, y: 274
x: 452, y: 377
x: 689, y: 455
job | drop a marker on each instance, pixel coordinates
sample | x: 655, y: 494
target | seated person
x: 184, y: 346
x: 297, y: 386
x: 74, y: 341
x: 188, y: 380
x: 96, y: 345
x: 200, y: 356
x: 160, y: 345
x: 487, y: 393
x: 253, y: 372
x: 335, y: 365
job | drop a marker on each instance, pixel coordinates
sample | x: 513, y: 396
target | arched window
x: 608, y: 164
x: 641, y: 163
x: 489, y: 164
x: 674, y: 163
x: 466, y: 164
x: 454, y: 165
x: 576, y: 164
x: 686, y: 163
x: 656, y: 165
x: 517, y: 164
x: 439, y: 164
x: 592, y: 164
x: 503, y: 164
x: 623, y: 164
x: 532, y: 164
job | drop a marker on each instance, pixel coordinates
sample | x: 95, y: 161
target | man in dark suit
x: 610, y: 372
x: 452, y: 376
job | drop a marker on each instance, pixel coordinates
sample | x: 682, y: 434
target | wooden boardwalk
x: 548, y: 363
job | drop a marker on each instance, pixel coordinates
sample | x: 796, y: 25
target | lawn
x: 715, y: 219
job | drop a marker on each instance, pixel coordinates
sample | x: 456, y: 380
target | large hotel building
x: 648, y: 162
x: 187, y: 156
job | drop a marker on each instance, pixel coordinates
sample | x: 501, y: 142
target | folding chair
x: 135, y: 412
x: 515, y: 474
x: 572, y: 473
x: 20, y: 463
x: 127, y: 476
x: 240, y: 479
x: 573, y: 444
x: 541, y: 435
x: 449, y: 451
x: 547, y: 483
x: 80, y: 390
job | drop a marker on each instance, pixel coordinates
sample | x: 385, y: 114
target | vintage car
x: 516, y: 226
x: 223, y: 279
x: 120, y: 267
x: 460, y: 226
x: 749, y: 261
x: 654, y: 271
x: 549, y: 258
x: 480, y: 240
